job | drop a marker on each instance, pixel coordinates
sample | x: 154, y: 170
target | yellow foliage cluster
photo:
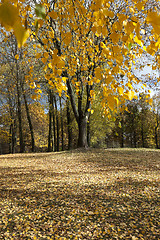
x: 9, y: 18
x: 92, y: 43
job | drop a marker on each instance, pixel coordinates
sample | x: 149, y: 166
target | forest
x: 83, y: 76
x: 68, y: 82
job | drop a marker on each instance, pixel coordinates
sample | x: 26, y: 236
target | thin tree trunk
x: 69, y: 128
x: 134, y: 139
x: 50, y: 100
x: 156, y: 133
x: 19, y: 112
x: 62, y: 130
x: 142, y: 134
x: 13, y: 137
x: 29, y: 121
x: 57, y: 122
x: 12, y: 128
x: 122, y: 132
x: 54, y: 130
x: 88, y: 133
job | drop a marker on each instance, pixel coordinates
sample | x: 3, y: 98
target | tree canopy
x: 86, y: 44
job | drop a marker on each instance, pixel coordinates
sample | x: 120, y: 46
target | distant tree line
x: 55, y: 129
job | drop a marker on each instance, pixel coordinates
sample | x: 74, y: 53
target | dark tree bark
x: 135, y: 138
x: 69, y: 127
x: 156, y: 130
x: 122, y: 132
x: 50, y: 100
x: 57, y: 122
x: 80, y: 114
x: 88, y: 133
x: 82, y: 137
x: 29, y: 119
x: 19, y: 111
x: 12, y: 143
x: 12, y: 139
x: 54, y: 129
x: 142, y: 129
x: 62, y: 130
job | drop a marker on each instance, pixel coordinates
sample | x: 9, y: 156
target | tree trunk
x: 13, y: 137
x: 50, y: 100
x: 19, y: 112
x: 29, y: 122
x: 156, y: 131
x: 142, y: 134
x: 62, y: 131
x: 57, y: 123
x: 88, y: 133
x: 122, y: 132
x: 22, y: 147
x: 134, y: 139
x: 54, y: 130
x: 156, y: 137
x: 69, y: 128
x: 82, y: 135
x: 81, y: 113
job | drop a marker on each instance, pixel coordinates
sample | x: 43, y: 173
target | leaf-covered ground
x: 92, y: 194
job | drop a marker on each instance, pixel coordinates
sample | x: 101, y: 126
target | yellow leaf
x: 38, y: 55
x: 8, y: 14
x: 21, y: 34
x: 32, y: 85
x: 98, y: 72
x: 129, y: 85
x: 154, y: 19
x: 144, y: 48
x: 16, y: 56
x: 138, y: 41
x: 45, y: 41
x: 51, y: 33
x: 46, y: 55
x: 34, y: 96
x: 150, y: 101
x: 120, y: 90
x: 40, y: 23
x: 44, y: 60
x: 38, y: 91
x: 154, y: 67
x: 68, y: 38
x: 129, y: 95
x: 140, y: 5
x: 53, y: 14
x: 50, y: 65
x: 111, y: 102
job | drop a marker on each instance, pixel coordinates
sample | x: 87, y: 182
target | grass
x: 90, y: 194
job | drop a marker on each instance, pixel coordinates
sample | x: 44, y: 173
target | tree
x: 156, y: 111
x: 132, y: 123
x: 85, y: 44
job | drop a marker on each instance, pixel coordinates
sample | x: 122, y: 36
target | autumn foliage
x: 109, y: 194
x: 87, y: 44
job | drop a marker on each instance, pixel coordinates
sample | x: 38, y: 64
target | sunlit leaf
x: 16, y: 56
x: 40, y: 11
x: 9, y: 14
x: 21, y: 34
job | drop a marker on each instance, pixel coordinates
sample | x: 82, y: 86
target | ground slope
x: 90, y: 194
